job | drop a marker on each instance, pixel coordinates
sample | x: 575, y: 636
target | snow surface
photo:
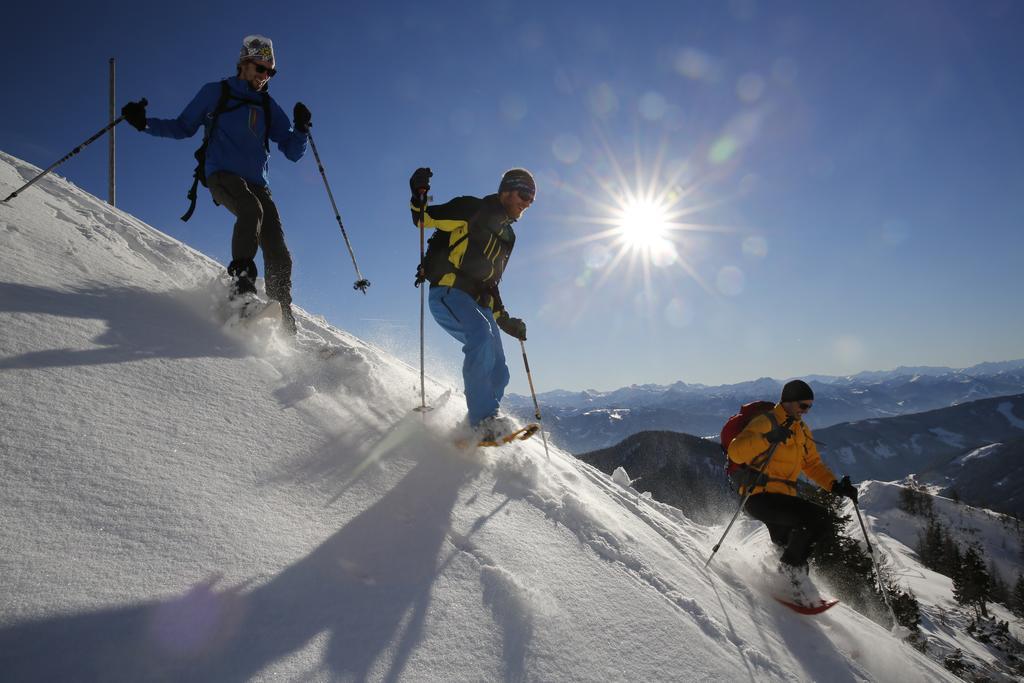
x: 846, y: 455
x: 946, y: 436
x: 186, y: 500
x: 897, y: 533
x: 977, y: 454
x: 1007, y: 410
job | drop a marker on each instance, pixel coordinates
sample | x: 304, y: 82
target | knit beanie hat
x: 517, y: 179
x: 258, y: 47
x: 796, y: 390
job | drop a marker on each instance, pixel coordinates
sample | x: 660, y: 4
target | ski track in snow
x: 576, y: 514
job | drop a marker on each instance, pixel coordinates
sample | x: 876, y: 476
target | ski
x: 801, y: 608
x: 521, y: 434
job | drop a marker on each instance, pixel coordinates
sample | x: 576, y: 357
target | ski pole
x: 361, y: 283
x: 72, y: 153
x: 423, y: 407
x: 874, y: 560
x: 536, y: 405
x: 760, y: 473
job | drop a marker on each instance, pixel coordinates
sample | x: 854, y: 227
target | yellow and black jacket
x: 795, y: 455
x: 478, y: 242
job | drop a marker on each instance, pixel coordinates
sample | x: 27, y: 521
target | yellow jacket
x: 794, y: 455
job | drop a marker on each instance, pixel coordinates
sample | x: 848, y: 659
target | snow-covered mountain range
x: 972, y: 449
x: 186, y: 500
x: 588, y: 420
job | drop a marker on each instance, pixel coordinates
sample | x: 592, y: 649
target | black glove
x: 302, y: 117
x: 419, y: 183
x: 778, y: 434
x: 513, y: 326
x: 844, y: 487
x: 135, y: 114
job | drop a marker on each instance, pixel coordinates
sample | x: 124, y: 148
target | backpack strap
x: 752, y: 474
x: 759, y: 460
x: 199, y: 175
x: 266, y: 120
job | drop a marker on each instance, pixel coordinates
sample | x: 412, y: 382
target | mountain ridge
x: 583, y: 423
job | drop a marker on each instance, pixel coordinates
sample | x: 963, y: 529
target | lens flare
x: 638, y: 232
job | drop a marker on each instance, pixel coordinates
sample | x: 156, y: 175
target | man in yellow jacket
x: 793, y: 522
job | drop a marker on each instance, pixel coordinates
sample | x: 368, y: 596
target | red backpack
x: 737, y: 423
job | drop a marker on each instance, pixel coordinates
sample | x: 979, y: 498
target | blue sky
x: 845, y: 181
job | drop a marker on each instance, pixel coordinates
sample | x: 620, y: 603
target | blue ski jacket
x: 236, y: 145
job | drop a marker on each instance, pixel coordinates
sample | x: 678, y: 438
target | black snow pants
x: 793, y: 523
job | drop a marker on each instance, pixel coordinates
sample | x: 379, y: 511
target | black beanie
x: 518, y: 179
x: 796, y: 390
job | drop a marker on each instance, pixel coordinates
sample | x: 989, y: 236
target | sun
x: 643, y: 225
x: 639, y: 226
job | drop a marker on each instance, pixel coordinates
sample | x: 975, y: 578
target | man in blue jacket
x: 240, y: 121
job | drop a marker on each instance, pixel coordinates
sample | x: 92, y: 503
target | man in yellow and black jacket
x: 793, y: 523
x: 464, y: 264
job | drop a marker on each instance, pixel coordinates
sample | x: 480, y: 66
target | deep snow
x: 183, y: 500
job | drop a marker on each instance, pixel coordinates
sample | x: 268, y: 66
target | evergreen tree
x: 843, y: 561
x: 929, y: 548
x: 908, y: 503
x: 950, y: 560
x: 905, y: 606
x: 971, y: 584
x: 955, y: 662
x: 1017, y: 597
x: 915, y: 500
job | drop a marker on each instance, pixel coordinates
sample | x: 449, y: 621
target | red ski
x: 816, y: 608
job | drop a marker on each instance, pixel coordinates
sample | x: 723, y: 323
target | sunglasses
x: 260, y: 69
x: 804, y: 406
x: 525, y: 196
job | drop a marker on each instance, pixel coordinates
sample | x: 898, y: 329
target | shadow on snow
x: 367, y: 588
x: 140, y: 325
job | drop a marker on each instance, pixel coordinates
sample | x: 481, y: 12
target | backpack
x: 199, y: 175
x: 744, y: 475
x: 435, y: 264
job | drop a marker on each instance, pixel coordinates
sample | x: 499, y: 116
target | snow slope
x: 997, y: 537
x: 185, y: 500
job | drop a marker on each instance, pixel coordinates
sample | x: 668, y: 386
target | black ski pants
x: 793, y: 523
x: 257, y: 225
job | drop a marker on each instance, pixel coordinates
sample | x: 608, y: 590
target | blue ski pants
x: 484, y: 371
